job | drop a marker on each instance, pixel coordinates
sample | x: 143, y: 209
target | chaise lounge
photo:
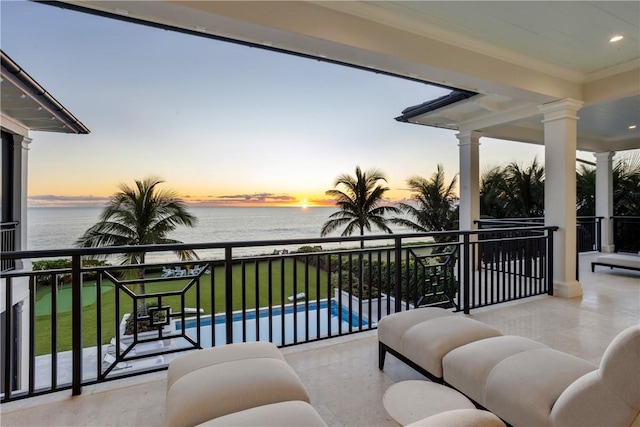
x: 520, y: 380
x: 617, y: 260
x: 250, y: 384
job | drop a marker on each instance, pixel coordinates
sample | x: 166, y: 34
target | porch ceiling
x: 516, y: 55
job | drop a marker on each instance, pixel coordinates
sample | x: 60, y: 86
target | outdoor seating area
x: 341, y: 375
x: 521, y: 380
x: 178, y: 271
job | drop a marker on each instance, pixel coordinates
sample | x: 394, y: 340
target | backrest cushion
x: 620, y: 366
x: 608, y: 396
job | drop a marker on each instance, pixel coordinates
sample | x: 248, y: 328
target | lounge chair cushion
x: 619, y: 260
x: 459, y: 418
x: 391, y: 329
x: 524, y: 387
x: 282, y: 414
x: 211, y: 383
x: 467, y: 367
x: 213, y: 356
x: 609, y: 396
x: 428, y: 342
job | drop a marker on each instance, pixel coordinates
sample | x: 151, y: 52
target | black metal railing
x: 7, y: 244
x: 588, y: 236
x: 589, y: 233
x: 88, y: 322
x: 626, y: 233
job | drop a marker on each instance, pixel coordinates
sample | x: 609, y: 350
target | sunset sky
x: 222, y: 124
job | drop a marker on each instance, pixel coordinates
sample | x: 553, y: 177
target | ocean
x: 58, y: 228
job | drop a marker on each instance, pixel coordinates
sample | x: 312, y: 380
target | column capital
x: 467, y: 137
x: 604, y: 156
x: 562, y: 109
x: 21, y: 141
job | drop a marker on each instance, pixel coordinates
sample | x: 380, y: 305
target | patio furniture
x: 194, y: 271
x: 294, y: 413
x: 179, y: 271
x: 167, y: 272
x: 110, y: 359
x: 460, y: 418
x: 207, y: 384
x: 410, y: 401
x: 298, y: 296
x: 520, y: 380
x: 421, y: 337
x: 617, y: 260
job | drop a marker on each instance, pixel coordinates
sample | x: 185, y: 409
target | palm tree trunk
x: 361, y: 262
x: 142, y: 310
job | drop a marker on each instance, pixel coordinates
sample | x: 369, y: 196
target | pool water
x: 300, y: 324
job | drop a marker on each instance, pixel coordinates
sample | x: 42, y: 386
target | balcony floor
x: 341, y: 374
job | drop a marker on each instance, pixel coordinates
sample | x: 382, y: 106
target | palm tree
x: 626, y: 184
x: 513, y: 191
x: 626, y: 187
x: 360, y: 199
x: 586, y: 190
x: 434, y: 207
x: 140, y: 215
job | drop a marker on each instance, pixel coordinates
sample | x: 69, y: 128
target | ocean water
x: 59, y: 228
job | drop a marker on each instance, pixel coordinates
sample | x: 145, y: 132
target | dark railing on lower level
x: 88, y: 322
x: 7, y: 244
x: 626, y: 233
x: 588, y: 236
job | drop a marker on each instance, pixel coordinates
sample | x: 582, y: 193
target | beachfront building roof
x: 25, y: 106
x: 562, y: 74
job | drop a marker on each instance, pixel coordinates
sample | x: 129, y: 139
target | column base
x: 567, y: 289
x: 608, y: 248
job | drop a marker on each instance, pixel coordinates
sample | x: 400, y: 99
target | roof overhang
x: 510, y: 53
x: 28, y: 106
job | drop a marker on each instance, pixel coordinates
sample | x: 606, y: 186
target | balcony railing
x: 588, y: 229
x: 7, y: 244
x: 626, y: 233
x: 87, y: 323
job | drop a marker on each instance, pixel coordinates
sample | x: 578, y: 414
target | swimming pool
x: 299, y: 324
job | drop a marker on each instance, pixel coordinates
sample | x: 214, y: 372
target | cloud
x: 258, y: 197
x: 52, y: 200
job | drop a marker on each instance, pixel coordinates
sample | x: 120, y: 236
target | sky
x: 220, y: 123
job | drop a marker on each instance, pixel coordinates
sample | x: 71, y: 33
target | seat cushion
x: 611, y: 395
x: 523, y: 388
x: 392, y: 328
x: 212, y: 356
x: 621, y: 260
x: 426, y: 343
x: 460, y: 417
x: 211, y: 383
x: 467, y: 367
x: 588, y: 402
x: 282, y: 414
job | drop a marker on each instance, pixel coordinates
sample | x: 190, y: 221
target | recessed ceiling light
x: 632, y: 127
x: 616, y: 38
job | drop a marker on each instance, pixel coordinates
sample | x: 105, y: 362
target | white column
x: 469, y: 179
x: 604, y: 197
x: 560, y: 142
x: 20, y: 186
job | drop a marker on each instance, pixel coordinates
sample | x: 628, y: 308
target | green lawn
x: 208, y: 299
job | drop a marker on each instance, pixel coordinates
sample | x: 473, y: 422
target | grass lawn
x: 211, y: 296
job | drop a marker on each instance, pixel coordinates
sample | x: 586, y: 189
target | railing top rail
x: 69, y: 252
x: 9, y: 224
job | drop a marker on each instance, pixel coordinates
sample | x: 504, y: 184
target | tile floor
x: 341, y: 374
